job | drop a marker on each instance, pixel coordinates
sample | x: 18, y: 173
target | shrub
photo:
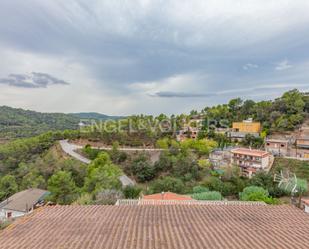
x: 200, y: 189
x: 253, y: 193
x: 167, y: 184
x: 213, y: 183
x: 90, y: 153
x: 143, y: 171
x: 131, y: 192
x: 212, y: 195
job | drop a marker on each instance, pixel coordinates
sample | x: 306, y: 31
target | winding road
x: 70, y: 149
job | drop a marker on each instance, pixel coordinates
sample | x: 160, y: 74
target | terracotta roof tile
x: 250, y: 152
x: 167, y: 196
x: 170, y: 226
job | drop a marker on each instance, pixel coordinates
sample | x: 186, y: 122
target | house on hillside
x: 251, y: 161
x: 241, y: 129
x: 220, y: 157
x: 302, y: 143
x: 277, y: 147
x: 22, y: 203
x: 190, y: 129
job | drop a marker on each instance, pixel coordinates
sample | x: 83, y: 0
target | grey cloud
x: 32, y: 80
x: 182, y: 95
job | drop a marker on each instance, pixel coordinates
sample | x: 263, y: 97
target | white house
x: 21, y: 203
x: 250, y: 161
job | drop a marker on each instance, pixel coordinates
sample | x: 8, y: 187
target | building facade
x: 250, y: 161
x: 247, y: 127
x: 277, y: 147
x: 21, y: 203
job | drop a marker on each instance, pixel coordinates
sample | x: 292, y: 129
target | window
x: 267, y: 144
x: 9, y: 214
x: 282, y: 145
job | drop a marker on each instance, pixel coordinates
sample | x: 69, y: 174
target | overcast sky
x: 149, y: 56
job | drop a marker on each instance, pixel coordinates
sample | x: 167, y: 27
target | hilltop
x: 17, y: 122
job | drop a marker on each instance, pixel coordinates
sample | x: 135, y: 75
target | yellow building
x: 247, y: 126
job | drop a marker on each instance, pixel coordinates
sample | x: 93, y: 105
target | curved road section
x: 70, y: 149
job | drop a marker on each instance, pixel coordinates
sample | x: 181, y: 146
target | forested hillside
x: 16, y: 123
x: 282, y: 114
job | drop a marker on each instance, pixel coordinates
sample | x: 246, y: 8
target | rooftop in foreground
x: 165, y: 226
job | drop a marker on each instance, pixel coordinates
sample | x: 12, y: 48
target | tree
x: 213, y: 183
x: 211, y: 195
x: 265, y: 180
x: 235, y: 104
x: 131, y: 192
x: 143, y: 170
x: 62, y: 187
x: 167, y: 184
x: 252, y: 141
x: 8, y: 186
x: 102, y: 174
x: 33, y: 180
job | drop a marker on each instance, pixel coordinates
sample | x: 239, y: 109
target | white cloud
x: 116, y: 54
x: 283, y: 65
x: 250, y: 66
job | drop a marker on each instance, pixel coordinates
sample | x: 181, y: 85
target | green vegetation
x: 62, y: 187
x: 167, y: 184
x: 102, y: 174
x: 132, y: 192
x: 254, y: 193
x: 281, y: 114
x: 300, y: 168
x: 210, y: 195
x: 183, y: 167
x: 8, y: 186
x: 199, y: 189
x: 15, y: 123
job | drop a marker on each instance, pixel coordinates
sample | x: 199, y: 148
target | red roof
x: 167, y: 196
x: 165, y: 227
x: 250, y: 152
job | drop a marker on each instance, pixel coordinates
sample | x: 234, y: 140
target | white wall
x: 15, y: 214
x: 306, y: 208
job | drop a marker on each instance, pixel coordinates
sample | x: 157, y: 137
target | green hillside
x: 24, y: 123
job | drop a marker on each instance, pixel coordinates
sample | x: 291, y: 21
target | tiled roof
x: 24, y: 200
x: 167, y: 196
x: 250, y: 152
x: 185, y: 202
x: 160, y: 227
